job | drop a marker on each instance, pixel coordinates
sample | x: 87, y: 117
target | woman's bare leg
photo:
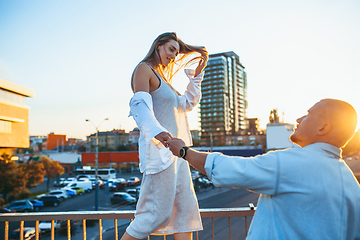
x: 183, y: 236
x: 126, y: 236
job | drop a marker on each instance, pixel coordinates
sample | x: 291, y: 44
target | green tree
x: 12, y: 177
x: 52, y: 169
x: 122, y: 148
x: 105, y: 149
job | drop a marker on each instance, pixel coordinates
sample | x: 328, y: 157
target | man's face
x: 308, y: 126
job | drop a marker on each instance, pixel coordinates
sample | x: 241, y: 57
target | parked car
x: 21, y: 206
x: 117, y: 185
x: 134, y: 192
x: 61, y: 194
x: 40, y: 196
x: 70, y: 192
x: 86, y: 185
x: 83, y: 179
x: 100, y: 182
x: 78, y: 190
x: 45, y: 226
x: 123, y: 198
x: 83, y: 176
x: 68, y: 180
x: 202, y: 182
x: 5, y: 210
x: 50, y: 201
x: 59, y: 183
x: 133, y: 181
x: 28, y: 233
x: 36, y: 204
x: 195, y: 174
x: 111, y: 182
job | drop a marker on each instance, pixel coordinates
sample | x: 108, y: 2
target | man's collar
x: 337, y: 152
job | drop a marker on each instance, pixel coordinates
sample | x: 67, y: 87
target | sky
x: 78, y: 56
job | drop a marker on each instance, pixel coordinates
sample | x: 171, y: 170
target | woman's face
x: 168, y: 52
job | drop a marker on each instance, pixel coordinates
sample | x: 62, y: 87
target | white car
x: 86, y: 185
x: 70, y: 192
x: 83, y: 176
x: 60, y: 194
x: 112, y: 182
x: 68, y: 180
x: 45, y: 226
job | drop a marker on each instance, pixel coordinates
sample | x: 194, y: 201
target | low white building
x: 278, y: 135
x: 65, y: 157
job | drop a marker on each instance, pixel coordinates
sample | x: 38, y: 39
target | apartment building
x: 134, y: 136
x: 224, y: 100
x: 14, y: 116
x: 109, y: 139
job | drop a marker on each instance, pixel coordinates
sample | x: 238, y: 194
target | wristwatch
x: 183, y: 152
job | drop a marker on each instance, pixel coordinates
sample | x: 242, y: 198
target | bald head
x: 330, y: 121
x: 342, y: 118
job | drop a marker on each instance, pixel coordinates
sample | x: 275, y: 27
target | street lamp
x: 96, y: 162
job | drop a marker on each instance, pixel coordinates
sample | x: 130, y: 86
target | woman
x: 167, y: 201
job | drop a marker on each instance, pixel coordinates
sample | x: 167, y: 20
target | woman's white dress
x: 167, y: 201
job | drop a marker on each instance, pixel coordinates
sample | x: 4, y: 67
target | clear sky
x: 78, y: 56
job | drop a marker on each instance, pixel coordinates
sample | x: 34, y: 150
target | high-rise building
x: 223, y: 103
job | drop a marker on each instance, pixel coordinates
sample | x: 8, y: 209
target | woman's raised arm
x: 202, y: 64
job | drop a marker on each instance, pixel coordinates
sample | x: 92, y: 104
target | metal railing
x: 244, y: 212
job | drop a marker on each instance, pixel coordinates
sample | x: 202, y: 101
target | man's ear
x: 325, y: 129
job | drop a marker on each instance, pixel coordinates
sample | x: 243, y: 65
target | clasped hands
x: 174, y: 144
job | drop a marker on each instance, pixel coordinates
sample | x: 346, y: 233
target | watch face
x: 182, y: 152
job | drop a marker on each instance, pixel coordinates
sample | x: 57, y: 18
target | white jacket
x: 141, y: 109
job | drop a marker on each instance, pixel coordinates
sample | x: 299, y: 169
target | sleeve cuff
x: 209, y: 164
x: 155, y: 132
x: 190, y: 73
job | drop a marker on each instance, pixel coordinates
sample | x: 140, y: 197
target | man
x: 306, y: 192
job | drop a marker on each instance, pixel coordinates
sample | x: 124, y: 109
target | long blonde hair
x: 167, y: 73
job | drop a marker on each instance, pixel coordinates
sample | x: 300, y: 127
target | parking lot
x: 86, y: 202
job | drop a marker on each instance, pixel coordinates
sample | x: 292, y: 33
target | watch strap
x: 183, y: 152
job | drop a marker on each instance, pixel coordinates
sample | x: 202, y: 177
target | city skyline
x: 78, y: 57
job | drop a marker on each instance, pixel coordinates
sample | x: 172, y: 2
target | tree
x: 81, y: 149
x: 105, y: 149
x: 12, y: 178
x: 122, y: 148
x: 274, y: 117
x: 34, y: 173
x: 52, y: 169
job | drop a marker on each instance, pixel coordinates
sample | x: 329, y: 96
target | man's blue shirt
x: 305, y: 193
